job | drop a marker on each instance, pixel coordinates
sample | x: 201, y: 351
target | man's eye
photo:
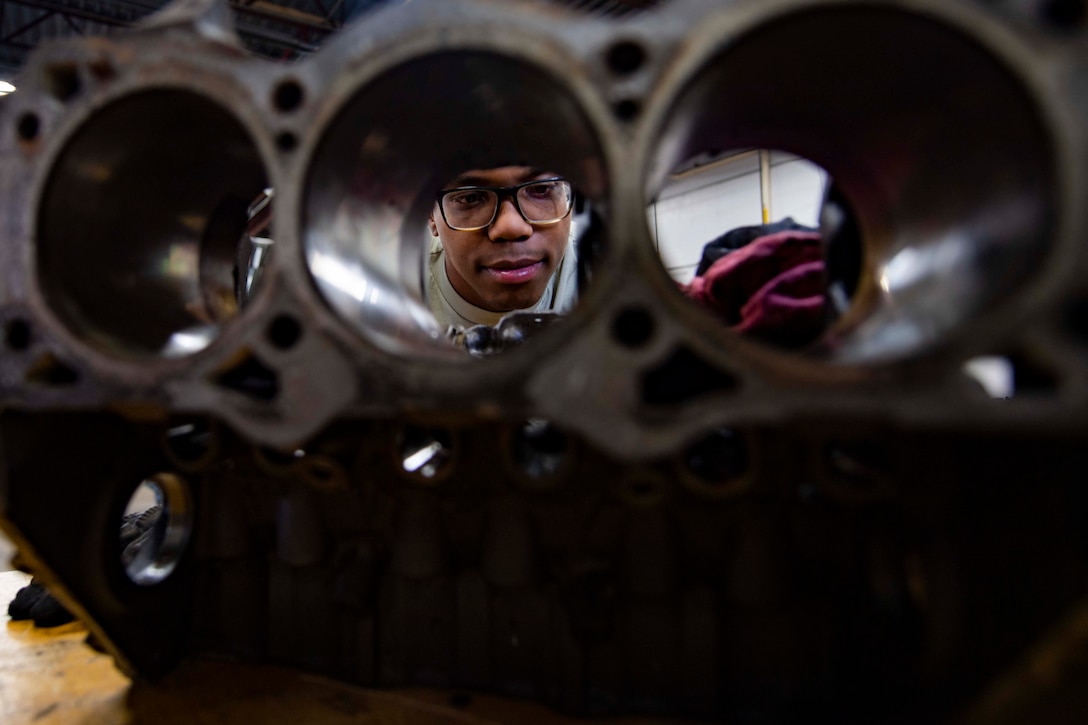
x: 466, y: 198
x: 546, y: 190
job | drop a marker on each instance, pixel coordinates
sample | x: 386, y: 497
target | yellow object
x: 50, y: 677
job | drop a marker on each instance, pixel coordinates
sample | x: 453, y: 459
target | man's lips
x: 514, y: 271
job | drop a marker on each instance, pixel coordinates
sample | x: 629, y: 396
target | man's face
x: 505, y: 266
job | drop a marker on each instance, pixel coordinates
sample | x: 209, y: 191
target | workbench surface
x: 49, y: 676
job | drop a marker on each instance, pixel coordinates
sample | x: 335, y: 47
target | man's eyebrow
x: 466, y: 181
x: 534, y: 173
x: 471, y: 180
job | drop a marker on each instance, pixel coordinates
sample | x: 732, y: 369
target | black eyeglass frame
x: 502, y: 192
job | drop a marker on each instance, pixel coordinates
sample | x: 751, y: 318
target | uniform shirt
x: 451, y: 309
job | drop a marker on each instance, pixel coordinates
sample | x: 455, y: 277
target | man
x: 502, y: 244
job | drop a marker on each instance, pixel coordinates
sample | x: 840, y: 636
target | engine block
x: 627, y: 510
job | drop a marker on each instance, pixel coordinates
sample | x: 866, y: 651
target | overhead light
x: 6, y: 88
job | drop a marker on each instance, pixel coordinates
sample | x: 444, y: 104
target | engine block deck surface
x: 629, y: 510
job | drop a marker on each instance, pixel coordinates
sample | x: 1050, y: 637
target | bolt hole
x: 425, y: 452
x: 627, y: 109
x: 155, y: 528
x: 540, y: 448
x: 17, y: 334
x: 718, y: 458
x: 28, y: 126
x: 633, y: 327
x: 625, y: 57
x: 286, y: 142
x: 284, y: 332
x: 1065, y: 14
x: 63, y: 81
x: 287, y: 96
x: 190, y: 442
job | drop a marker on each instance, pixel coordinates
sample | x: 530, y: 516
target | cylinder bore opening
x: 930, y: 174
x: 155, y: 529
x: 455, y: 191
x: 141, y: 222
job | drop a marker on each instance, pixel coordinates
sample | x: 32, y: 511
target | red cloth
x: 772, y: 289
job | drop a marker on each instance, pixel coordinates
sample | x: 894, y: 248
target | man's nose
x: 509, y: 224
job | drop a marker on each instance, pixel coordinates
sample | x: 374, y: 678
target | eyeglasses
x: 472, y: 208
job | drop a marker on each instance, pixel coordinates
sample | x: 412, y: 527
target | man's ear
x: 434, y: 227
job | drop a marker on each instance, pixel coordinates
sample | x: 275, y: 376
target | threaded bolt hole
x: 633, y: 327
x: 63, y: 81
x: 627, y: 109
x: 288, y: 96
x: 17, y: 334
x: 28, y: 126
x: 625, y: 57
x: 286, y: 142
x: 284, y: 332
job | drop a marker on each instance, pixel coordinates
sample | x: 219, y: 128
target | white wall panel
x: 797, y: 189
x: 687, y: 222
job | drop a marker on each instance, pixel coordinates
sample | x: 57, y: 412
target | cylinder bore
x: 139, y: 224
x: 396, y: 143
x: 937, y: 147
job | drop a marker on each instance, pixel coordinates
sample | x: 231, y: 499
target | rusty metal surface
x: 632, y: 511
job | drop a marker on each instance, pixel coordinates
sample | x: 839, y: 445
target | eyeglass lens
x: 547, y: 201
